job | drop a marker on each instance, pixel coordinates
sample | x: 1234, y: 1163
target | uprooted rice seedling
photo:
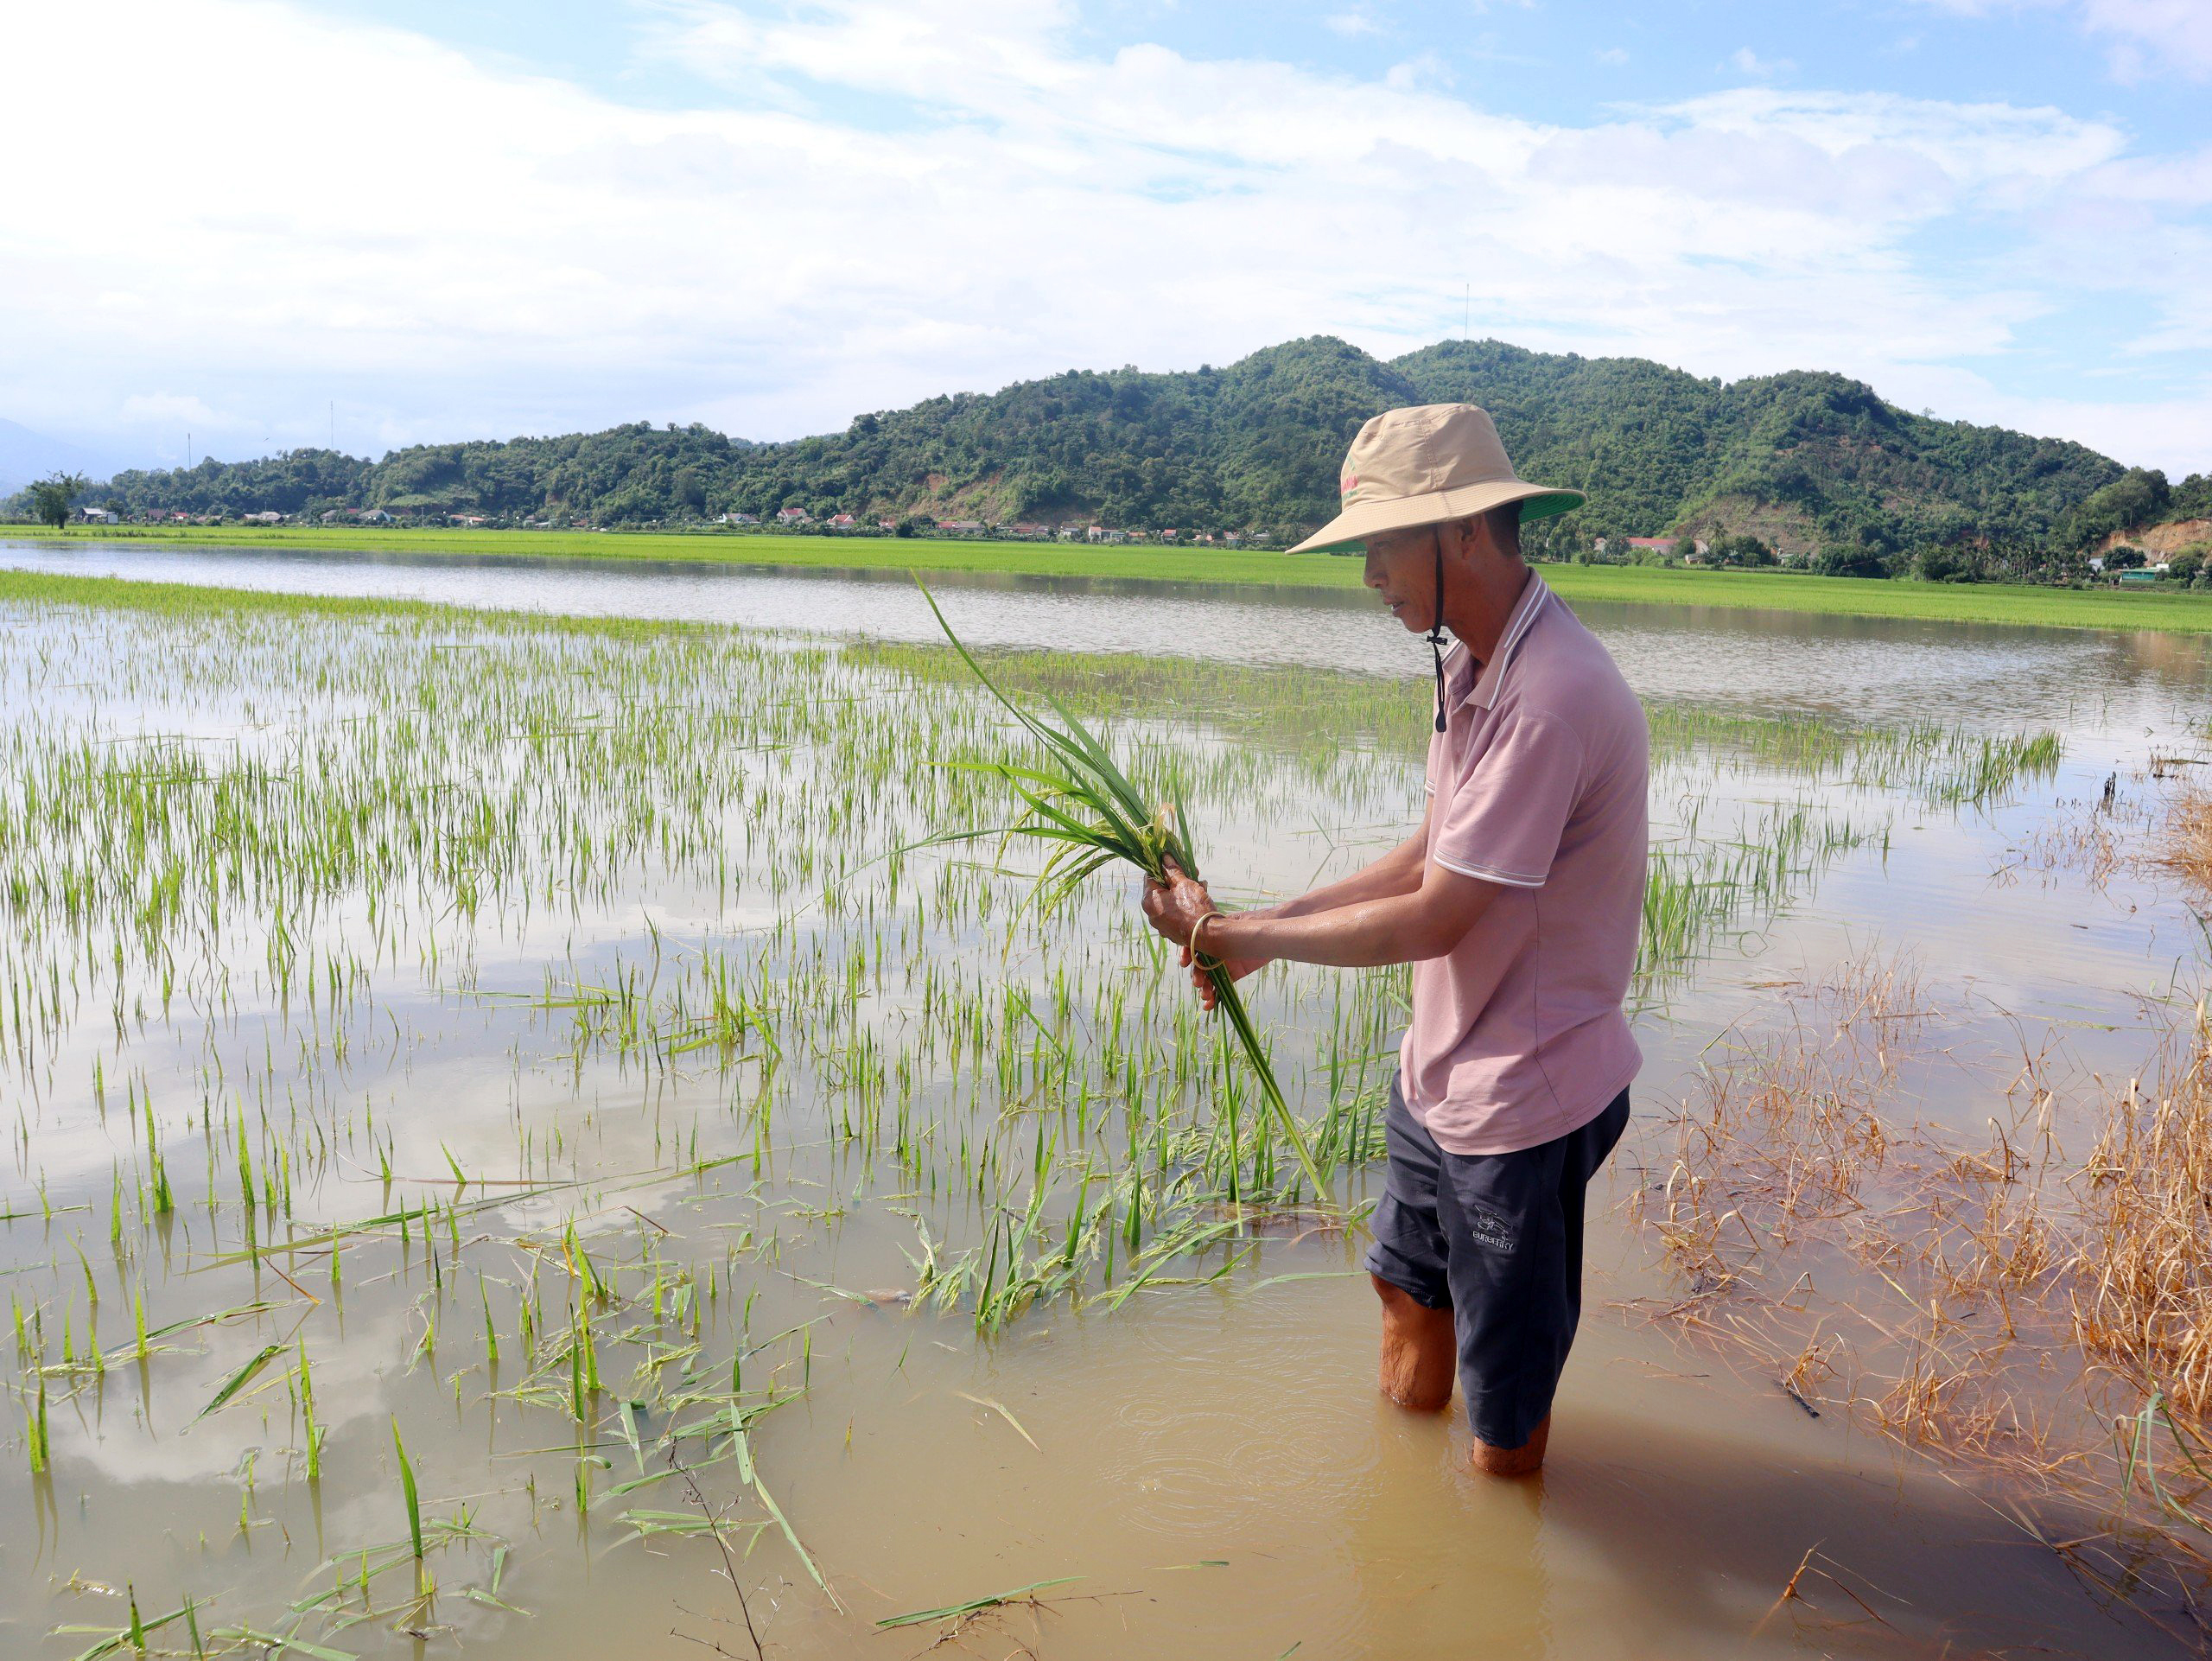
x: 1083, y: 805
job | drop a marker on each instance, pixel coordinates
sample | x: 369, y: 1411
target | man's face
x: 1401, y: 568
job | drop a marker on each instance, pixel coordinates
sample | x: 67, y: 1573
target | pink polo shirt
x: 1538, y: 784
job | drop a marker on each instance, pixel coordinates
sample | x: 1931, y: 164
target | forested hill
x: 1805, y: 461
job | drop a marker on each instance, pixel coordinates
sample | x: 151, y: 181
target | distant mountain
x: 25, y: 455
x: 1807, y: 462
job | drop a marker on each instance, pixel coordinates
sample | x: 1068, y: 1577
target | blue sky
x: 414, y: 221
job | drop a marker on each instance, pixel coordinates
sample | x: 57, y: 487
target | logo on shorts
x: 1490, y: 1231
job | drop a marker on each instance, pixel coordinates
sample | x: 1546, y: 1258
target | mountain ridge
x: 1808, y: 461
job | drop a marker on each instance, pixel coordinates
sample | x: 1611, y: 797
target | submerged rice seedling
x: 414, y: 1511
x: 267, y: 866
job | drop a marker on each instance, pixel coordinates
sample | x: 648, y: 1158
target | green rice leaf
x: 240, y: 1379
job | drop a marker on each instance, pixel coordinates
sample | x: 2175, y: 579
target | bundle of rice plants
x: 1080, y: 801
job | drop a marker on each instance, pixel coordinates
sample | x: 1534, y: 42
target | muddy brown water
x: 1203, y: 1471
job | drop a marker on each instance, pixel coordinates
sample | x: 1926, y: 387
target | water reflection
x: 1866, y: 668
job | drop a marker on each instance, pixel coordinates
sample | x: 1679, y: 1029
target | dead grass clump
x: 2142, y: 1275
x: 1785, y: 1135
x: 1941, y: 1399
x: 2184, y: 840
x: 2040, y: 1300
x: 2089, y: 839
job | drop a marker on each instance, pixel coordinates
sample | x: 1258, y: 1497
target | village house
x: 843, y: 522
x: 469, y: 519
x: 1169, y: 535
x: 737, y: 519
x: 1100, y: 533
x: 96, y: 515
x: 1235, y: 539
x: 267, y: 516
x: 372, y: 516
x: 1032, y: 531
x: 793, y: 516
x: 961, y: 527
x: 886, y: 525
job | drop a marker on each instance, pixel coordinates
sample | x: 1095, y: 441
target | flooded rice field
x: 523, y: 1144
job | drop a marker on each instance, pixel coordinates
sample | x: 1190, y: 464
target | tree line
x: 1810, y: 467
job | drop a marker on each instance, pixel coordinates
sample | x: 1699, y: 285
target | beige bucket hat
x: 1426, y: 465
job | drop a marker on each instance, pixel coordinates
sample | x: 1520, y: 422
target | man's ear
x: 1460, y: 540
x: 1476, y: 539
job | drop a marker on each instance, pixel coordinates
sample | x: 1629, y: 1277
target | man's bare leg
x: 1419, y: 1356
x: 1524, y: 1460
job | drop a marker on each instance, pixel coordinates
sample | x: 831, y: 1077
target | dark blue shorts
x: 1496, y: 1238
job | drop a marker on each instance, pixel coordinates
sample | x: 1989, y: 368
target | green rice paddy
x: 473, y: 1072
x: 2170, y: 611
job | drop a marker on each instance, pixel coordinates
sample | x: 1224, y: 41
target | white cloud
x: 2144, y: 38
x: 171, y: 409
x: 1355, y: 22
x: 1750, y: 63
x: 1613, y: 54
x: 2150, y: 36
x: 893, y: 199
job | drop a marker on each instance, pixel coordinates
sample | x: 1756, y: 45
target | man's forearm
x: 1364, y: 934
x: 1398, y: 872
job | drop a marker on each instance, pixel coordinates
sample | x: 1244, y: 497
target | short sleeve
x: 1505, y: 820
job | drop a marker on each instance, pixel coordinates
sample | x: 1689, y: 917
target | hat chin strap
x: 1436, y: 633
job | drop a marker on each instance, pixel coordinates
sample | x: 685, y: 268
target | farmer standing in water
x: 1517, y: 902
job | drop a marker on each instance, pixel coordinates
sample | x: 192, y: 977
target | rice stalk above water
x: 1082, y: 803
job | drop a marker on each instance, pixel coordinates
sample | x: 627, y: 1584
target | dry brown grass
x: 2184, y: 843
x: 2140, y: 1281
x: 1785, y: 1130
x: 2009, y: 1306
x: 2169, y: 835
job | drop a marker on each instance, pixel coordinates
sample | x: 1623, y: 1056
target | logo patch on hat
x: 1350, y: 483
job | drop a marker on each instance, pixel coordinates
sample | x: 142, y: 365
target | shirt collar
x: 1456, y: 661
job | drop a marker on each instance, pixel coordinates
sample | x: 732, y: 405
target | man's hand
x: 1173, y: 907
